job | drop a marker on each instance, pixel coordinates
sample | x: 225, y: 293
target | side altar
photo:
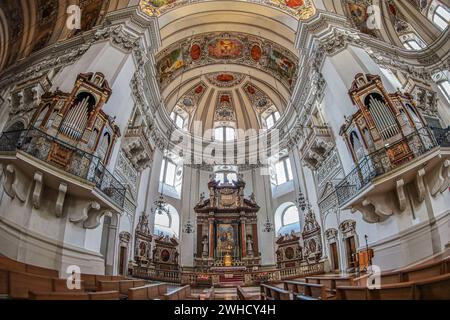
x: 227, y: 230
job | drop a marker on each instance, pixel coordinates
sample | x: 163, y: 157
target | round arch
x: 287, y: 218
x: 167, y: 223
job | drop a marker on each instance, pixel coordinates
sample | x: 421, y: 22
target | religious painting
x: 195, y: 52
x: 225, y: 237
x: 281, y: 64
x: 304, y: 8
x: 359, y: 16
x: 165, y: 255
x: 225, y: 77
x: 292, y: 3
x: 170, y: 63
x: 256, y: 52
x: 225, y: 49
x: 47, y: 14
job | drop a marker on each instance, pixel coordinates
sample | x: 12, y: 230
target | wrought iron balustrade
x: 81, y: 164
x: 379, y: 163
x: 442, y: 136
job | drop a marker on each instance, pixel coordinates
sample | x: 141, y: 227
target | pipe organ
x: 387, y: 127
x: 77, y: 119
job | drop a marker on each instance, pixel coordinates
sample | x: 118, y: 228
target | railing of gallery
x: 84, y: 165
x: 307, y: 270
x: 378, y: 163
x: 154, y: 274
x: 442, y: 136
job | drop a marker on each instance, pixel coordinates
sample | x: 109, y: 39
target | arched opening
x: 167, y: 222
x: 287, y: 219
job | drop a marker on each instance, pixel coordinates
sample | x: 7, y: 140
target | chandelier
x: 188, y: 227
x: 161, y: 205
x: 267, y: 226
x: 302, y: 202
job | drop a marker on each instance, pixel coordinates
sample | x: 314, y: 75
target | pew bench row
x: 435, y: 288
x: 105, y: 295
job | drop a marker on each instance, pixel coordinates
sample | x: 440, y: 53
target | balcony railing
x: 442, y: 136
x: 379, y: 163
x: 81, y: 164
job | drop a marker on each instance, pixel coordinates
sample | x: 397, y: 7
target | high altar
x: 227, y: 230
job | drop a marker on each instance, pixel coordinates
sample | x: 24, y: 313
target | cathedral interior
x: 224, y: 149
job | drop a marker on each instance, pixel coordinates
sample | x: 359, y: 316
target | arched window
x: 444, y: 86
x: 271, y: 119
x: 441, y: 17
x: 167, y: 223
x: 282, y: 171
x: 224, y: 133
x: 179, y: 120
x: 287, y: 219
x: 412, y: 42
x: 171, y: 177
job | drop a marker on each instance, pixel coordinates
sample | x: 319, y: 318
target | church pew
x: 182, y: 293
x: 41, y: 271
x: 104, y: 295
x: 60, y: 285
x: 16, y: 266
x: 11, y: 265
x: 274, y: 293
x: 242, y: 295
x: 109, y: 295
x: 398, y: 291
x: 89, y: 281
x: 148, y: 292
x: 351, y: 293
x: 108, y: 285
x: 317, y: 291
x: 328, y: 282
x: 435, y: 288
x: 423, y: 272
x: 58, y: 296
x: 21, y: 283
x: 4, y: 286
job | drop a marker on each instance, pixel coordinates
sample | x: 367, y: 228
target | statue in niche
x: 205, y: 243
x: 202, y: 198
x: 252, y: 198
x: 249, y: 246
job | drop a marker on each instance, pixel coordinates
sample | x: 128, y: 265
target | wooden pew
x: 148, y: 292
x: 352, y: 293
x: 424, y: 271
x: 60, y: 285
x: 398, y: 291
x: 41, y: 271
x: 12, y: 265
x: 242, y: 295
x: 104, y: 295
x: 108, y: 285
x: 58, y: 296
x: 317, y: 291
x: 110, y: 295
x: 20, y: 284
x: 435, y: 288
x: 4, y: 282
x: 274, y: 293
x: 182, y: 293
x: 89, y: 281
x: 8, y: 264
